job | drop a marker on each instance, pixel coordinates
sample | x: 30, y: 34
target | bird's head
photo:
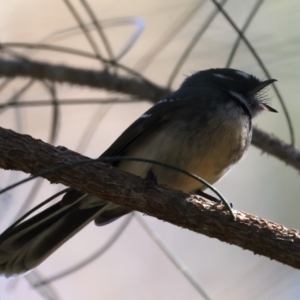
x: 244, y: 89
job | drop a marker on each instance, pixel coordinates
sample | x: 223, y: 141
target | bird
x: 204, y: 127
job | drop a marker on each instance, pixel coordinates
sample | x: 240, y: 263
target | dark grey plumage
x: 204, y: 127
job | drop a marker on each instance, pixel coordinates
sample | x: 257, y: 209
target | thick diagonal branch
x: 22, y: 152
x: 132, y: 86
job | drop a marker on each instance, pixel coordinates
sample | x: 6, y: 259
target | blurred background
x: 164, y: 41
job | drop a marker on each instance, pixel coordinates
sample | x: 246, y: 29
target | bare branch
x: 131, y: 86
x: 274, y: 146
x: 22, y: 152
x: 97, y: 79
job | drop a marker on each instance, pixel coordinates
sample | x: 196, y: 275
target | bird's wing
x: 146, y: 123
x: 29, y: 243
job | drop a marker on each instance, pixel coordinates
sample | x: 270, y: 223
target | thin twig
x: 179, y: 265
x: 46, y: 291
x: 99, y: 29
x: 82, y: 101
x: 243, y: 30
x: 184, y: 56
x: 77, y: 52
x: 55, y: 110
x: 167, y: 37
x: 263, y: 67
x: 13, y: 100
x: 98, y: 253
x: 84, y: 30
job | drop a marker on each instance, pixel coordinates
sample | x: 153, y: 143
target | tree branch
x: 22, y: 152
x: 136, y: 87
x: 274, y: 146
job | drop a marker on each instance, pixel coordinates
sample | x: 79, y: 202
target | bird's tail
x: 29, y: 243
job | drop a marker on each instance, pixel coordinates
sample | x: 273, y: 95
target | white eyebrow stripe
x: 168, y: 100
x: 238, y: 97
x: 145, y: 116
x: 222, y: 76
x: 245, y: 75
x: 162, y: 101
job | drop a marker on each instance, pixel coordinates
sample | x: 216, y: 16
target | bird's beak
x: 261, y: 86
x: 267, y: 107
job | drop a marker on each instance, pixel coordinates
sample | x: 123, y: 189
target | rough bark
x: 22, y: 152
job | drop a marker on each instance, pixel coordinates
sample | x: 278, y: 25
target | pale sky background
x: 135, y: 268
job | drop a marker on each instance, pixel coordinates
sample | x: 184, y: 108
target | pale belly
x: 210, y: 159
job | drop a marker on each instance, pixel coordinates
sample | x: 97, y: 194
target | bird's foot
x: 150, y: 179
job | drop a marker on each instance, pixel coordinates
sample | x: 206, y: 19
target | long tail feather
x: 31, y: 242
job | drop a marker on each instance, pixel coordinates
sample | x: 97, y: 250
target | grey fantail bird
x: 204, y: 127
